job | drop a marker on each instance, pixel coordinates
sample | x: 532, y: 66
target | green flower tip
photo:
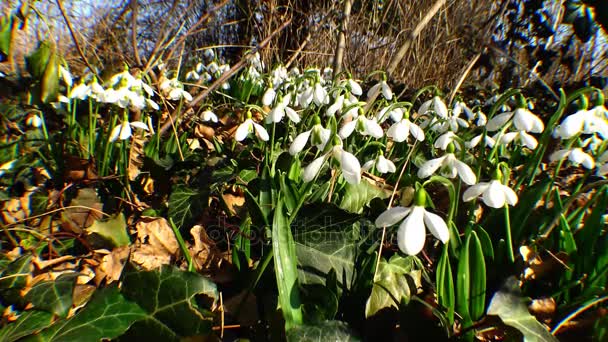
x: 599, y: 101
x: 583, y: 102
x: 420, y: 197
x: 248, y: 115
x: 497, y: 174
x: 316, y: 120
x: 521, y: 101
x: 451, y: 148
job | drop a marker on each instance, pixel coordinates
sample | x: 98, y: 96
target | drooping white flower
x: 209, y: 116
x: 489, y: 141
x: 123, y: 131
x: 396, y: 114
x: 80, y: 91
x: 320, y: 96
x: 7, y: 166
x: 520, y: 137
x: 576, y: 156
x: 494, y: 194
x: 281, y: 109
x: 381, y: 164
x: 249, y: 126
x: 384, y: 88
x: 401, y: 130
x: 320, y: 137
x: 416, y: 219
x: 355, y: 88
x: 436, y: 105
x: 192, y: 75
x: 364, y: 126
x: 66, y: 76
x: 523, y: 120
x: 445, y: 140
x: 583, y: 121
x: 268, y: 96
x: 336, y: 107
x: 448, y: 166
x: 33, y: 120
x: 349, y: 165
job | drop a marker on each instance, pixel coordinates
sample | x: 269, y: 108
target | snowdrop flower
x: 411, y: 235
x: 209, y: 116
x: 489, y: 142
x: 387, y: 93
x: 199, y: 68
x: 523, y: 120
x: 33, y: 120
x: 583, y: 121
x: 521, y: 137
x: 209, y: 54
x: 320, y: 137
x: 364, y: 126
x: 349, y: 165
x: 355, y: 88
x: 66, y: 76
x: 213, y: 68
x: 396, y: 114
x: 494, y: 194
x: 401, y: 130
x: 305, y: 97
x: 248, y: 127
x: 460, y: 107
x: 449, y: 166
x: 320, y: 96
x: 445, y: 140
x: 282, y: 108
x: 336, y: 107
x: 174, y: 90
x: 482, y: 119
x: 81, y: 91
x: 268, y: 96
x: 193, y: 75
x: 435, y: 104
x: 381, y: 165
x: 123, y: 131
x: 575, y: 155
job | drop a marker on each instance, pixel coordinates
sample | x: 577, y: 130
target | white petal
x: 398, y: 131
x: 411, y: 233
x: 125, y: 131
x: 355, y: 88
x: 510, y: 195
x: 440, y: 108
x: 572, y: 125
x: 261, y: 131
x: 436, y: 225
x: 558, y: 155
x: 429, y: 167
x: 396, y: 114
x: 115, y: 132
x: 139, y: 124
x: 347, y: 129
x: 209, y: 116
x: 351, y: 169
x: 386, y: 91
x: 464, y: 171
x: 243, y: 130
x: 299, y: 142
x: 268, y: 97
x: 373, y: 90
x: 391, y: 216
x: 444, y: 140
x: 373, y: 128
x: 474, y: 191
x: 425, y: 107
x: 186, y: 96
x: 508, y: 137
x: 311, y: 171
x: 524, y: 120
x: 528, y: 140
x: 368, y: 165
x: 417, y: 132
x: 494, y: 196
x: 498, y: 121
x: 292, y: 115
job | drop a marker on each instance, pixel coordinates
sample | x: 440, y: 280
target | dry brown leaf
x: 156, y: 244
x: 43, y: 264
x: 204, y: 131
x: 543, y: 309
x: 112, y: 264
x: 88, y: 211
x: 234, y: 203
x: 14, y: 210
x: 136, y: 152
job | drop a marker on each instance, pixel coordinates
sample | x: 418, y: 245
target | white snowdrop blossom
x: 320, y: 96
x: 520, y: 137
x: 349, y: 165
x: 396, y: 114
x: 281, y: 109
x: 582, y: 122
x: 436, y: 105
x: 66, y: 76
x: 402, y: 129
x: 249, y: 126
x: 362, y: 125
x: 336, y: 107
x: 209, y: 116
x: 268, y: 96
x: 33, y: 120
x: 320, y: 137
x: 123, y: 131
x: 192, y: 75
x: 445, y: 140
x: 383, y: 87
x: 174, y: 90
x: 461, y: 107
x: 381, y: 164
x: 489, y: 141
x: 523, y: 120
x: 448, y: 166
x: 414, y: 220
x: 494, y: 194
x: 575, y: 155
x: 81, y: 91
x: 355, y: 88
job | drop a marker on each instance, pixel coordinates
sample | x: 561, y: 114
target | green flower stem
x: 182, y: 245
x: 107, y: 147
x: 508, y: 234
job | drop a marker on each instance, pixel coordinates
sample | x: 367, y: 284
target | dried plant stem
x: 466, y: 72
x: 342, y: 39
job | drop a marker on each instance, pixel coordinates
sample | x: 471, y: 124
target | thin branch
x: 71, y: 29
x: 342, y: 39
x: 134, y: 6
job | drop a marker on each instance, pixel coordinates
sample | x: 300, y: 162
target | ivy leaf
x: 106, y: 316
x: 396, y: 280
x: 184, y: 205
x: 509, y: 305
x: 14, y: 278
x: 326, y: 331
x: 28, y: 323
x: 54, y: 296
x: 357, y: 196
x: 6, y: 24
x: 113, y: 230
x: 326, y: 238
x: 168, y: 295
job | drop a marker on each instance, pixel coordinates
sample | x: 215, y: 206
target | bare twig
x: 342, y: 39
x: 466, y: 72
x: 134, y: 7
x: 71, y: 29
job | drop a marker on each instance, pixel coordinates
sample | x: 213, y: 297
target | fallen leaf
x: 543, y: 309
x: 156, y: 244
x: 112, y: 264
x: 89, y: 210
x: 234, y: 203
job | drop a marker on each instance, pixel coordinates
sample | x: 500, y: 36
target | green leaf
x: 106, y: 316
x: 113, y: 230
x: 357, y: 196
x: 509, y: 305
x: 478, y: 278
x: 168, y: 296
x: 184, y: 205
x: 28, y: 323
x: 6, y: 25
x: 320, y: 303
x: 14, y: 278
x: 285, y: 266
x: 326, y: 238
x: 54, y: 296
x: 445, y: 284
x: 49, y: 84
x: 326, y: 331
x: 395, y: 281
x: 37, y: 62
